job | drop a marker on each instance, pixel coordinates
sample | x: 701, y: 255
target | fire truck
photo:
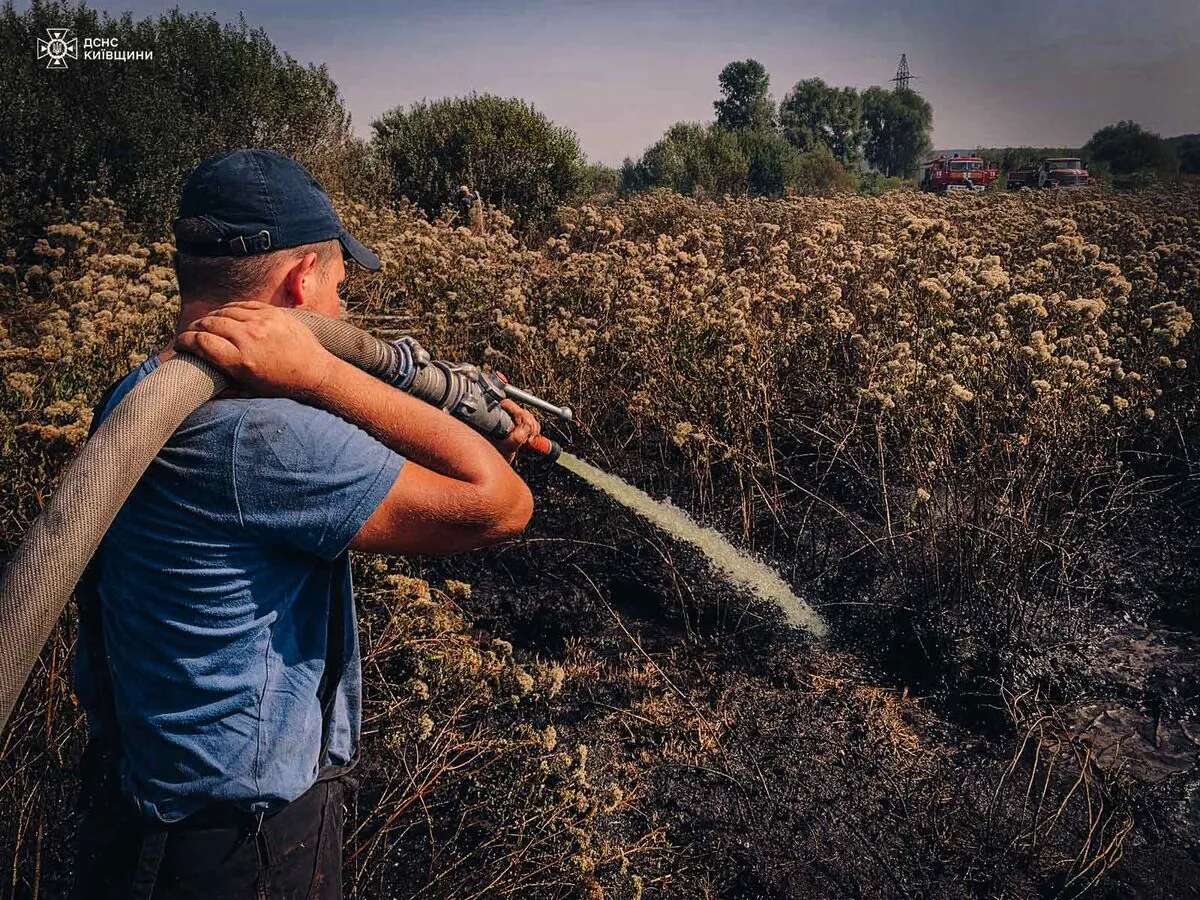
x: 1053, y: 172
x: 957, y: 173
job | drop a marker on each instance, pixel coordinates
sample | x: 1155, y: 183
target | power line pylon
x: 903, y: 76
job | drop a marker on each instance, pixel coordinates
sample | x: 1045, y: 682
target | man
x: 218, y: 655
x: 470, y: 209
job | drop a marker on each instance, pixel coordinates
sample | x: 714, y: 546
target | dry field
x: 964, y: 428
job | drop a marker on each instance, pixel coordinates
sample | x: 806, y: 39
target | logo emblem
x: 58, y: 48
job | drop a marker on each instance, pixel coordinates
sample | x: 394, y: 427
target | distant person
x: 470, y: 209
x: 218, y: 654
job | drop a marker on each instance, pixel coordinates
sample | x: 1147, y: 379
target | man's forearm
x: 422, y: 433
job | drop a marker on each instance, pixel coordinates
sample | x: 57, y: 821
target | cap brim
x: 358, y: 252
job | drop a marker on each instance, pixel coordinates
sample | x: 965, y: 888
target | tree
x: 132, y: 131
x: 772, y: 164
x: 744, y: 101
x: 512, y: 154
x: 1126, y: 148
x: 814, y: 115
x: 690, y: 158
x: 897, y: 125
x: 708, y: 160
x: 1188, y: 149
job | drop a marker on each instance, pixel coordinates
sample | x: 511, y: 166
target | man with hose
x: 218, y: 655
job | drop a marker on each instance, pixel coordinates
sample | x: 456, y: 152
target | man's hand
x: 272, y: 354
x: 260, y: 347
x: 525, y: 429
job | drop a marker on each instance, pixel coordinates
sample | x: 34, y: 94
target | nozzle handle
x: 542, y: 446
x: 528, y: 399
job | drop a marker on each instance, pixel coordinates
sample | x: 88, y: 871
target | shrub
x: 1139, y: 180
x: 691, y: 158
x: 598, y: 180
x: 1187, y: 146
x: 512, y: 154
x: 1127, y: 148
x: 820, y: 174
x: 706, y: 161
x: 773, y: 164
x: 873, y: 184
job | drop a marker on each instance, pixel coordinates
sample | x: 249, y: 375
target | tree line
x: 1124, y: 153
x: 818, y: 139
x: 133, y: 131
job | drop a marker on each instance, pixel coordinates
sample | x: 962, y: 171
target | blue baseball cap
x: 258, y: 201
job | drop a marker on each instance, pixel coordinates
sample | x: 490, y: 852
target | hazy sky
x: 1003, y: 72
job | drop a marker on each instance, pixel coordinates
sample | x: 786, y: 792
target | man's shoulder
x: 281, y: 412
x: 118, y: 389
x: 290, y: 429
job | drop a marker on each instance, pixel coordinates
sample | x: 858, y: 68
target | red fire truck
x: 1052, y: 172
x: 957, y: 173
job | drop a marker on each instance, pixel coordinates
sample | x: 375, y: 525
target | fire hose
x: 46, y: 566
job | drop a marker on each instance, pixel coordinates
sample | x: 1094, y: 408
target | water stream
x: 725, y: 558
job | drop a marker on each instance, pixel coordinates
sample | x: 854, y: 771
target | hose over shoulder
x: 44, y: 569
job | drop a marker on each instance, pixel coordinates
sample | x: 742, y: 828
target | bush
x: 701, y: 160
x: 873, y: 184
x: 512, y: 154
x: 132, y: 130
x: 596, y: 179
x: 773, y: 164
x: 692, y: 159
x: 1187, y: 146
x: 1128, y: 148
x: 819, y: 173
x: 1141, y: 180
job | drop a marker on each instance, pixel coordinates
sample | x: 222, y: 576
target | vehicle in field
x: 957, y: 173
x: 1052, y: 172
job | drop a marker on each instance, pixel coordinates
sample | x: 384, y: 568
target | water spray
x: 736, y: 565
x: 476, y: 399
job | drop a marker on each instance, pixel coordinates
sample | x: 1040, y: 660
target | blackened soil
x: 821, y: 777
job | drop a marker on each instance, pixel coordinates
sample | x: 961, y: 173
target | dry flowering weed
x: 463, y: 755
x: 987, y: 351
x: 936, y: 392
x: 783, y: 362
x: 78, y: 306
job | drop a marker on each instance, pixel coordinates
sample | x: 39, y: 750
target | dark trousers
x: 294, y: 854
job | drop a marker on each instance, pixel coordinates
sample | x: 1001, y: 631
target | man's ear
x: 300, y: 284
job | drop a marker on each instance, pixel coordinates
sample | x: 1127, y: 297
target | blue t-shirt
x: 216, y: 583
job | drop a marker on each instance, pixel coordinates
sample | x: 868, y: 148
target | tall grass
x: 934, y: 404
x: 937, y: 416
